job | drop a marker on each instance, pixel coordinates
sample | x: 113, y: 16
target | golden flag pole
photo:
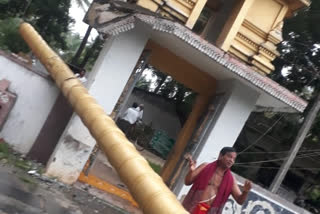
x: 147, y: 187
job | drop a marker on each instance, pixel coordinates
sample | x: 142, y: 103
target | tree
x: 82, y: 46
x: 12, y: 8
x: 82, y: 4
x: 307, y: 123
x: 300, y: 53
x: 144, y: 83
x: 10, y: 40
x: 50, y: 18
x: 297, y: 68
x: 91, y: 54
x: 301, y: 60
x: 73, y: 41
x: 161, y: 78
x: 165, y: 86
x: 75, y: 60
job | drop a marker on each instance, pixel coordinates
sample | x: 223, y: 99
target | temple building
x: 221, y: 49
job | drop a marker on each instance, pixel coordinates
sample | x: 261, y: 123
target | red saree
x: 201, y: 182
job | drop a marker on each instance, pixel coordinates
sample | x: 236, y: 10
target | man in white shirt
x: 128, y: 119
x: 140, y: 109
x: 81, y: 77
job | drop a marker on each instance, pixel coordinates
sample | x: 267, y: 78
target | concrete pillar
x: 184, y: 136
x: 226, y: 127
x: 106, y: 82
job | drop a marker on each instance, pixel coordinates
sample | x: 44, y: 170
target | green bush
x: 155, y: 167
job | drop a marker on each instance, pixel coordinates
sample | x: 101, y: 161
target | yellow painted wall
x: 254, y: 30
x: 186, y: 11
x: 250, y: 33
x: 264, y: 13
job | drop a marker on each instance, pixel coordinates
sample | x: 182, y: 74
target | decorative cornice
x: 247, y: 40
x: 188, y: 3
x: 267, y: 52
x: 256, y: 47
x: 232, y: 64
x: 249, y: 25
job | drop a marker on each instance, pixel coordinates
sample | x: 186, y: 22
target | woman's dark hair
x: 135, y: 105
x: 226, y: 150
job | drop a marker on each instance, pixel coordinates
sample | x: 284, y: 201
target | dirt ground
x: 25, y: 190
x: 27, y: 193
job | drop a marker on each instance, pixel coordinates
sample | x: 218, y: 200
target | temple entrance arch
x: 191, y: 77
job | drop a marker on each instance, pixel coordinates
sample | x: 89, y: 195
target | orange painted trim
x: 180, y: 69
x: 106, y: 187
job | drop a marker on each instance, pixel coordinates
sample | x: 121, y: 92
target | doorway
x: 174, y: 94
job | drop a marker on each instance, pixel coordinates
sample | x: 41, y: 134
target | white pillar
x: 106, y: 83
x: 228, y: 124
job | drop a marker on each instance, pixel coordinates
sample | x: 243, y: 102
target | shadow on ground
x: 21, y: 193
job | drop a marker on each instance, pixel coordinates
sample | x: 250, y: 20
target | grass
x: 4, y: 150
x: 27, y: 179
x: 7, y: 155
x: 157, y: 168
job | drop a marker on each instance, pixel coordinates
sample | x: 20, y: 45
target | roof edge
x: 113, y: 28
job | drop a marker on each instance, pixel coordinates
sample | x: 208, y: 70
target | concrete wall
x: 237, y: 104
x: 36, y: 95
x: 261, y: 201
x: 158, y: 111
x: 105, y: 83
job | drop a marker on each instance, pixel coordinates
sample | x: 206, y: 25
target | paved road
x: 22, y: 194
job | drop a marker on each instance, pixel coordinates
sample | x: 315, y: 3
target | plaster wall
x: 261, y: 201
x: 105, y: 83
x: 239, y: 102
x: 36, y: 95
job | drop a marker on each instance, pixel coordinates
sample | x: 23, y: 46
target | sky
x: 80, y: 27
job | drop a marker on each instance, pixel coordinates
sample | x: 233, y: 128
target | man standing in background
x: 128, y: 119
